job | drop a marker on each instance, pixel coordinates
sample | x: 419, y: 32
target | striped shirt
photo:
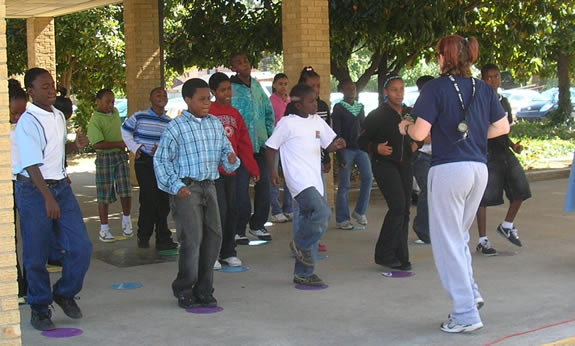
x: 191, y: 147
x: 143, y: 130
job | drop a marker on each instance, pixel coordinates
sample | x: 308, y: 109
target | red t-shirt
x: 238, y: 135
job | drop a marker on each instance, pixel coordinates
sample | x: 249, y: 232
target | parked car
x: 122, y: 107
x: 540, y: 107
x: 519, y: 98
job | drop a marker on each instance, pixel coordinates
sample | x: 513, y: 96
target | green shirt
x: 105, y: 127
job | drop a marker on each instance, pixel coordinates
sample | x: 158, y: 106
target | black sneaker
x: 241, y: 239
x: 312, y: 280
x: 207, y: 300
x: 261, y: 233
x: 42, y: 320
x: 509, y: 234
x: 304, y: 257
x: 69, y: 306
x: 389, y: 264
x: 403, y: 266
x: 486, y: 249
x: 171, y: 245
x: 143, y: 244
x: 188, y: 302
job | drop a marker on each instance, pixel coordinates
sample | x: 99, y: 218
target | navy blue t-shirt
x: 439, y: 105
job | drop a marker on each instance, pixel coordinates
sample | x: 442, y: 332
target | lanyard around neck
x: 452, y: 79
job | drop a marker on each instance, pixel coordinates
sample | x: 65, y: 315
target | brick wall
x: 41, y: 43
x: 9, y: 313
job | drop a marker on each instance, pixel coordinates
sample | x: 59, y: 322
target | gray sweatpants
x: 454, y: 192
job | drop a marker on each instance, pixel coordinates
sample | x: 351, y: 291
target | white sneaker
x: 217, y: 265
x: 127, y: 229
x: 289, y: 216
x: 279, y: 218
x: 451, y: 327
x: 361, y: 219
x: 261, y: 233
x: 346, y: 225
x: 106, y: 236
x: 479, y: 302
x: 232, y: 261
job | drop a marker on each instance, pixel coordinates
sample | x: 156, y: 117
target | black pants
x: 395, y: 182
x: 154, y: 203
x: 258, y: 219
x: 228, y: 203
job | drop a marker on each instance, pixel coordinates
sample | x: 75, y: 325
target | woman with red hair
x: 462, y: 113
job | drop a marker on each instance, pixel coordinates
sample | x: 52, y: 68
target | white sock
x: 507, y: 224
x: 126, y: 219
x: 483, y: 240
x: 104, y: 227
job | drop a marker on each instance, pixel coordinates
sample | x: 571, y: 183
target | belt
x: 49, y: 182
x: 190, y: 181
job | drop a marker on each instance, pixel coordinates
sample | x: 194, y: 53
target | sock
x: 507, y: 224
x: 104, y: 227
x: 482, y: 240
x: 126, y: 219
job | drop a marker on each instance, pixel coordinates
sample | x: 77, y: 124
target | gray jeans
x: 199, y: 232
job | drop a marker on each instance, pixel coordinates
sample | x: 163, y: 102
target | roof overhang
x: 50, y: 8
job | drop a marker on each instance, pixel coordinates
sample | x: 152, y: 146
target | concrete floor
x: 529, y: 290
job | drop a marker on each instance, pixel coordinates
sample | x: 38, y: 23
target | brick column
x: 9, y: 313
x: 41, y: 43
x: 144, y: 56
x: 305, y: 28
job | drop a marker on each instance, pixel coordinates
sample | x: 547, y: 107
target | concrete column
x: 305, y: 28
x: 41, y: 43
x: 9, y: 312
x: 144, y: 56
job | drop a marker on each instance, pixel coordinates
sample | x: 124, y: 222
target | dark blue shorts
x: 505, y: 174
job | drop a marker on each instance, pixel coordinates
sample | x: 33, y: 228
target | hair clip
x: 466, y: 39
x: 308, y: 68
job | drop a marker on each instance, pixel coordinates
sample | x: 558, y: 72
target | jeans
x: 286, y: 207
x: 313, y: 216
x: 421, y: 166
x: 361, y: 159
x: 37, y: 242
x: 261, y: 197
x: 199, y: 233
x: 154, y: 203
x: 227, y: 202
x: 395, y: 180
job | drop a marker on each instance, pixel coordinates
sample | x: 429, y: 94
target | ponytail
x: 459, y: 54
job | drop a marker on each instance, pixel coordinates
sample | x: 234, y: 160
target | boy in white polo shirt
x: 46, y: 202
x: 300, y: 138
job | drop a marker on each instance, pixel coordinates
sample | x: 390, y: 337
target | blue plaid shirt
x: 191, y: 147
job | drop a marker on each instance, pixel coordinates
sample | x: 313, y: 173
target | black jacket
x: 380, y: 126
x: 346, y: 125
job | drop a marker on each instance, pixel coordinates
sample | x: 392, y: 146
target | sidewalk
x: 531, y: 289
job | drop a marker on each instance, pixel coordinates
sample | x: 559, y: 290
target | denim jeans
x: 421, y: 166
x: 314, y: 216
x: 286, y: 206
x: 37, y: 242
x: 199, y: 231
x: 261, y: 196
x: 361, y: 159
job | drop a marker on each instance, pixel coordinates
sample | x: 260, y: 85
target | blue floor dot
x: 126, y: 285
x: 228, y: 269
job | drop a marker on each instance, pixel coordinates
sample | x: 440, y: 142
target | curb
x: 548, y: 174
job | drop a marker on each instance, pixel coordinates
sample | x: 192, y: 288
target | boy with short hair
x: 186, y: 165
x: 237, y: 133
x: 505, y: 174
x: 141, y: 132
x: 112, y: 170
x: 249, y: 98
x: 300, y: 138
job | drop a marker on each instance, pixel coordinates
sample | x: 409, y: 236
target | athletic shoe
x: 403, y: 267
x: 321, y: 248
x: 69, y: 306
x: 361, y: 219
x: 241, y: 239
x: 143, y: 244
x: 207, y: 300
x: 304, y: 257
x: 451, y: 327
x: 261, y: 233
x: 127, y: 229
x: 509, y: 234
x: 345, y: 225
x: 312, y: 280
x: 486, y: 249
x: 169, y: 245
x: 279, y: 218
x: 232, y: 261
x: 289, y: 216
x: 217, y: 265
x: 188, y: 302
x: 42, y: 320
x: 22, y: 300
x: 479, y: 302
x: 106, y: 236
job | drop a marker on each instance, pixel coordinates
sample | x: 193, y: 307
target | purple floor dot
x: 506, y: 253
x: 397, y: 274
x: 62, y: 332
x: 310, y: 288
x: 205, y: 310
x: 228, y: 269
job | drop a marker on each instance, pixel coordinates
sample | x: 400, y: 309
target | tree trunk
x: 564, y: 111
x: 382, y: 71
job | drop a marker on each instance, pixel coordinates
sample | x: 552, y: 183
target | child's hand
x: 184, y: 192
x: 52, y: 208
x: 275, y: 179
x: 383, y: 149
x: 517, y: 147
x: 340, y: 144
x: 232, y: 158
x: 81, y: 140
x: 402, y: 125
x: 255, y: 179
x: 414, y: 147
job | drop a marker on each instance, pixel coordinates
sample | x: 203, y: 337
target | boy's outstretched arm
x: 337, y: 144
x: 271, y: 158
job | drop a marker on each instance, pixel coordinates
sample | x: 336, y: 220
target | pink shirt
x: 279, y: 106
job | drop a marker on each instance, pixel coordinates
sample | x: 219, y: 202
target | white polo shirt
x: 299, y: 141
x: 41, y: 140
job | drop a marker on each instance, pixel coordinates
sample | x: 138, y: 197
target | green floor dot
x: 172, y: 252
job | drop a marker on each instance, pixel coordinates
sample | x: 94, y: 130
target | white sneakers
x: 361, y: 219
x: 217, y: 265
x: 451, y: 327
x: 279, y: 218
x: 232, y: 261
x: 127, y: 229
x: 106, y: 236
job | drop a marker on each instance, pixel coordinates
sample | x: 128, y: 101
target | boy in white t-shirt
x: 300, y: 138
